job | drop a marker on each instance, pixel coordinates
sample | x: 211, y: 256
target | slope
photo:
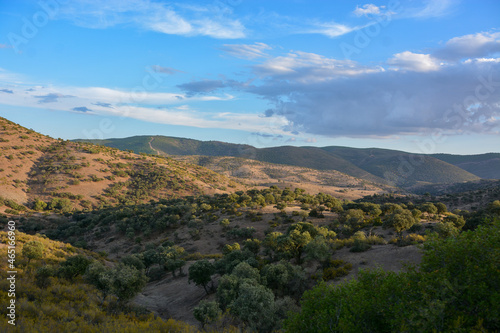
x: 310, y: 157
x: 382, y: 166
x: 405, y: 169
x: 483, y: 165
x: 67, y: 175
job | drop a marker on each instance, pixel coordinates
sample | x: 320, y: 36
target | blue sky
x: 419, y: 76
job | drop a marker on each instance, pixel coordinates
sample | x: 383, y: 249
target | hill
x: 382, y: 166
x: 406, y: 169
x: 264, y: 174
x: 66, y: 175
x: 486, y: 166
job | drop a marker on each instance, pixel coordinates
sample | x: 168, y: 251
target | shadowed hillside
x: 484, y: 165
x: 382, y: 166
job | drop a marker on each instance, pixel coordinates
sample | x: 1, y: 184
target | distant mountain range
x: 383, y: 166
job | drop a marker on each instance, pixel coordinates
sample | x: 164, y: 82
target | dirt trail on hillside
x: 151, y: 146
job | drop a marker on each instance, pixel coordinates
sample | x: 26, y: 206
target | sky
x: 419, y: 76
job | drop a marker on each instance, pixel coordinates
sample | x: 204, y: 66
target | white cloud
x: 310, y: 67
x: 164, y: 18
x: 433, y: 8
x: 322, y: 96
x: 333, y: 29
x: 482, y: 60
x: 162, y: 108
x: 365, y: 10
x: 470, y: 46
x: 246, y: 51
x: 414, y: 62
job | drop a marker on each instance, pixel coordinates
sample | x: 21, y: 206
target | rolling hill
x: 483, y: 165
x: 382, y: 166
x: 64, y: 174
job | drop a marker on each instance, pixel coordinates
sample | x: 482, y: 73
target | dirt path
x: 151, y: 146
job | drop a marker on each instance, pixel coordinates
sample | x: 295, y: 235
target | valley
x: 227, y: 241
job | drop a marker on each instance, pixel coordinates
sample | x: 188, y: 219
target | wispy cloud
x: 82, y: 109
x: 7, y: 91
x: 104, y: 105
x: 333, y: 29
x: 162, y: 108
x: 51, y: 98
x: 201, y: 87
x: 432, y: 8
x: 165, y: 70
x: 167, y: 18
x: 246, y: 51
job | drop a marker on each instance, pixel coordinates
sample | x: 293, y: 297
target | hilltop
x: 64, y: 174
x: 380, y: 166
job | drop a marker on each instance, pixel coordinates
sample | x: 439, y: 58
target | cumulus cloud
x: 51, y: 98
x: 414, y: 62
x: 324, y: 96
x: 365, y: 10
x: 477, y: 45
x: 391, y: 102
x: 246, y: 51
x: 165, y: 70
x: 309, y: 67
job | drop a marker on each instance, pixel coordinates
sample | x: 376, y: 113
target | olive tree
x: 201, y: 274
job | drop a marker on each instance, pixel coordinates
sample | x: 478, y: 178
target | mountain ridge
x: 383, y: 166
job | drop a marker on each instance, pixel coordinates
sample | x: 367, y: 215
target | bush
x: 455, y: 289
x: 360, y: 246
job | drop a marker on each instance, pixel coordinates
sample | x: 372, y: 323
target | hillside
x: 406, y: 169
x: 486, y: 166
x: 264, y: 174
x: 67, y: 175
x: 382, y: 166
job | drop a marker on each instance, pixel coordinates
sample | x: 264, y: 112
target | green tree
x: 400, y: 220
x: 446, y: 229
x: 354, y: 218
x: 74, y: 266
x: 39, y: 205
x: 127, y: 282
x: 206, y: 312
x: 429, y: 208
x: 100, y: 277
x: 318, y: 249
x: 441, y: 208
x: 33, y: 250
x: 201, y: 274
x: 284, y: 278
x: 252, y: 245
x: 455, y: 289
x: 255, y: 306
